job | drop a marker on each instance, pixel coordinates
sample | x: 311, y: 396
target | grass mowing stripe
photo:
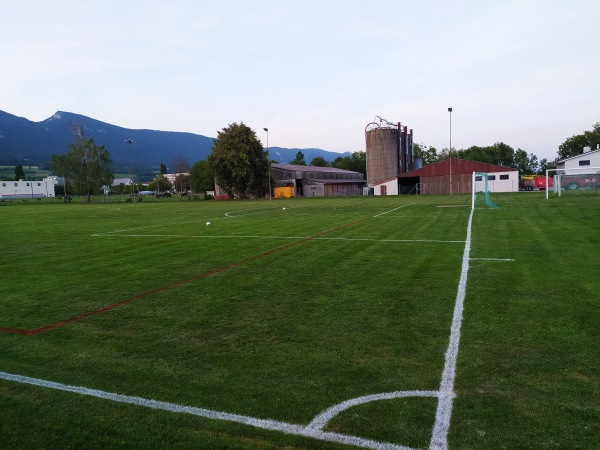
x: 272, y: 425
x: 172, y: 286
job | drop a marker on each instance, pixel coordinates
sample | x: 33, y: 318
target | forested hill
x: 31, y: 143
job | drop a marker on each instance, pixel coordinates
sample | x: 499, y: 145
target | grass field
x: 279, y: 310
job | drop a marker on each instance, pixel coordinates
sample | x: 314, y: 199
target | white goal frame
x: 556, y: 186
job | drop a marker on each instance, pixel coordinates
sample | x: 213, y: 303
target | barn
x: 451, y: 176
x: 314, y: 181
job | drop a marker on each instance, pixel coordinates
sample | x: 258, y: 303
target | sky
x: 315, y: 73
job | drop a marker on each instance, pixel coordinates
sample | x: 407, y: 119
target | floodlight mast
x: 130, y: 142
x: 268, y: 164
x: 450, y: 150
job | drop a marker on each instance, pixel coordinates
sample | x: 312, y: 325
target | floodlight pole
x: 130, y: 142
x: 268, y: 163
x: 450, y: 149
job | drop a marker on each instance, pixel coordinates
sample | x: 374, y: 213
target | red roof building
x: 451, y: 176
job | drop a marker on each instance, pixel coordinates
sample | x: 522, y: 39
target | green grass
x: 282, y: 313
x: 31, y: 172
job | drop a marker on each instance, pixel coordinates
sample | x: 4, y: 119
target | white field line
x: 272, y: 425
x: 230, y: 215
x: 182, y: 236
x: 227, y: 216
x: 319, y: 422
x: 391, y: 210
x: 439, y: 437
x: 491, y: 259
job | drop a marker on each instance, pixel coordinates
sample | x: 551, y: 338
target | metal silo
x: 389, y: 150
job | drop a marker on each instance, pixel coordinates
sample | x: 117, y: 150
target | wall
x: 26, y: 189
x: 390, y: 187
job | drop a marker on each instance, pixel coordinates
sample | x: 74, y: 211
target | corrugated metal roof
x: 296, y: 168
x: 459, y: 166
x: 334, y: 181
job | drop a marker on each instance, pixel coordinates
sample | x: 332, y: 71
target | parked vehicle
x: 580, y: 181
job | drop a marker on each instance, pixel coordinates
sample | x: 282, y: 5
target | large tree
x: 524, y: 163
x: 356, y: 162
x: 181, y: 168
x: 19, y: 172
x: 573, y: 146
x: 201, y: 177
x: 319, y: 161
x: 239, y: 162
x: 427, y: 153
x: 86, y: 167
x: 299, y: 161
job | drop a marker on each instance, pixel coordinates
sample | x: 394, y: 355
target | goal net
x: 575, y: 181
x: 481, y: 193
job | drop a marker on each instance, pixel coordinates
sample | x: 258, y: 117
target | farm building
x: 10, y: 190
x: 448, y: 177
x: 589, y: 158
x: 313, y: 181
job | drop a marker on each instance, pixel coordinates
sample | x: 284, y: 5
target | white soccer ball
x: 208, y: 223
x: 284, y: 207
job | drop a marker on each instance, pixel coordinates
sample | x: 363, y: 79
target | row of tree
x: 242, y: 166
x: 500, y: 154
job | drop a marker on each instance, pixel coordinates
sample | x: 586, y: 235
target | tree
x: 239, y: 162
x: 86, y: 166
x: 299, y: 161
x: 181, y: 169
x: 201, y: 177
x: 163, y: 169
x: 161, y: 184
x: 19, y: 172
x: 573, y: 146
x: 319, y: 161
x: 525, y: 164
x: 427, y: 153
x: 356, y: 162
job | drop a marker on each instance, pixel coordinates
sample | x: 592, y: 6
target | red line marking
x: 172, y: 286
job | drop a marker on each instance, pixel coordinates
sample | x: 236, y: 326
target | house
x: 589, y: 158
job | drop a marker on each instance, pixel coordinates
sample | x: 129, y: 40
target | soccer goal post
x: 480, y: 192
x: 581, y: 179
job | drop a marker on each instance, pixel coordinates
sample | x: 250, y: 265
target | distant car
x: 583, y: 181
x: 163, y: 194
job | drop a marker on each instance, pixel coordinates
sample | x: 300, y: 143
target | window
x: 491, y: 177
x: 478, y: 178
x: 3, y: 184
x: 504, y: 177
x: 585, y: 162
x: 27, y: 184
x: 39, y: 184
x: 16, y: 184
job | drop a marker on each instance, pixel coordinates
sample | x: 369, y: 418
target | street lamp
x: 130, y: 142
x: 268, y: 163
x: 450, y: 149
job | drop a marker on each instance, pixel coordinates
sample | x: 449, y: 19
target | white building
x: 589, y: 158
x: 10, y: 190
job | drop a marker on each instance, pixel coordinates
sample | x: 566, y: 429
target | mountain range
x: 32, y: 143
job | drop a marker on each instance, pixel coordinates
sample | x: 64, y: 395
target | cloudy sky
x: 314, y: 72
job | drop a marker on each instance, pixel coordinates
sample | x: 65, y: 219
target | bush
x: 208, y: 197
